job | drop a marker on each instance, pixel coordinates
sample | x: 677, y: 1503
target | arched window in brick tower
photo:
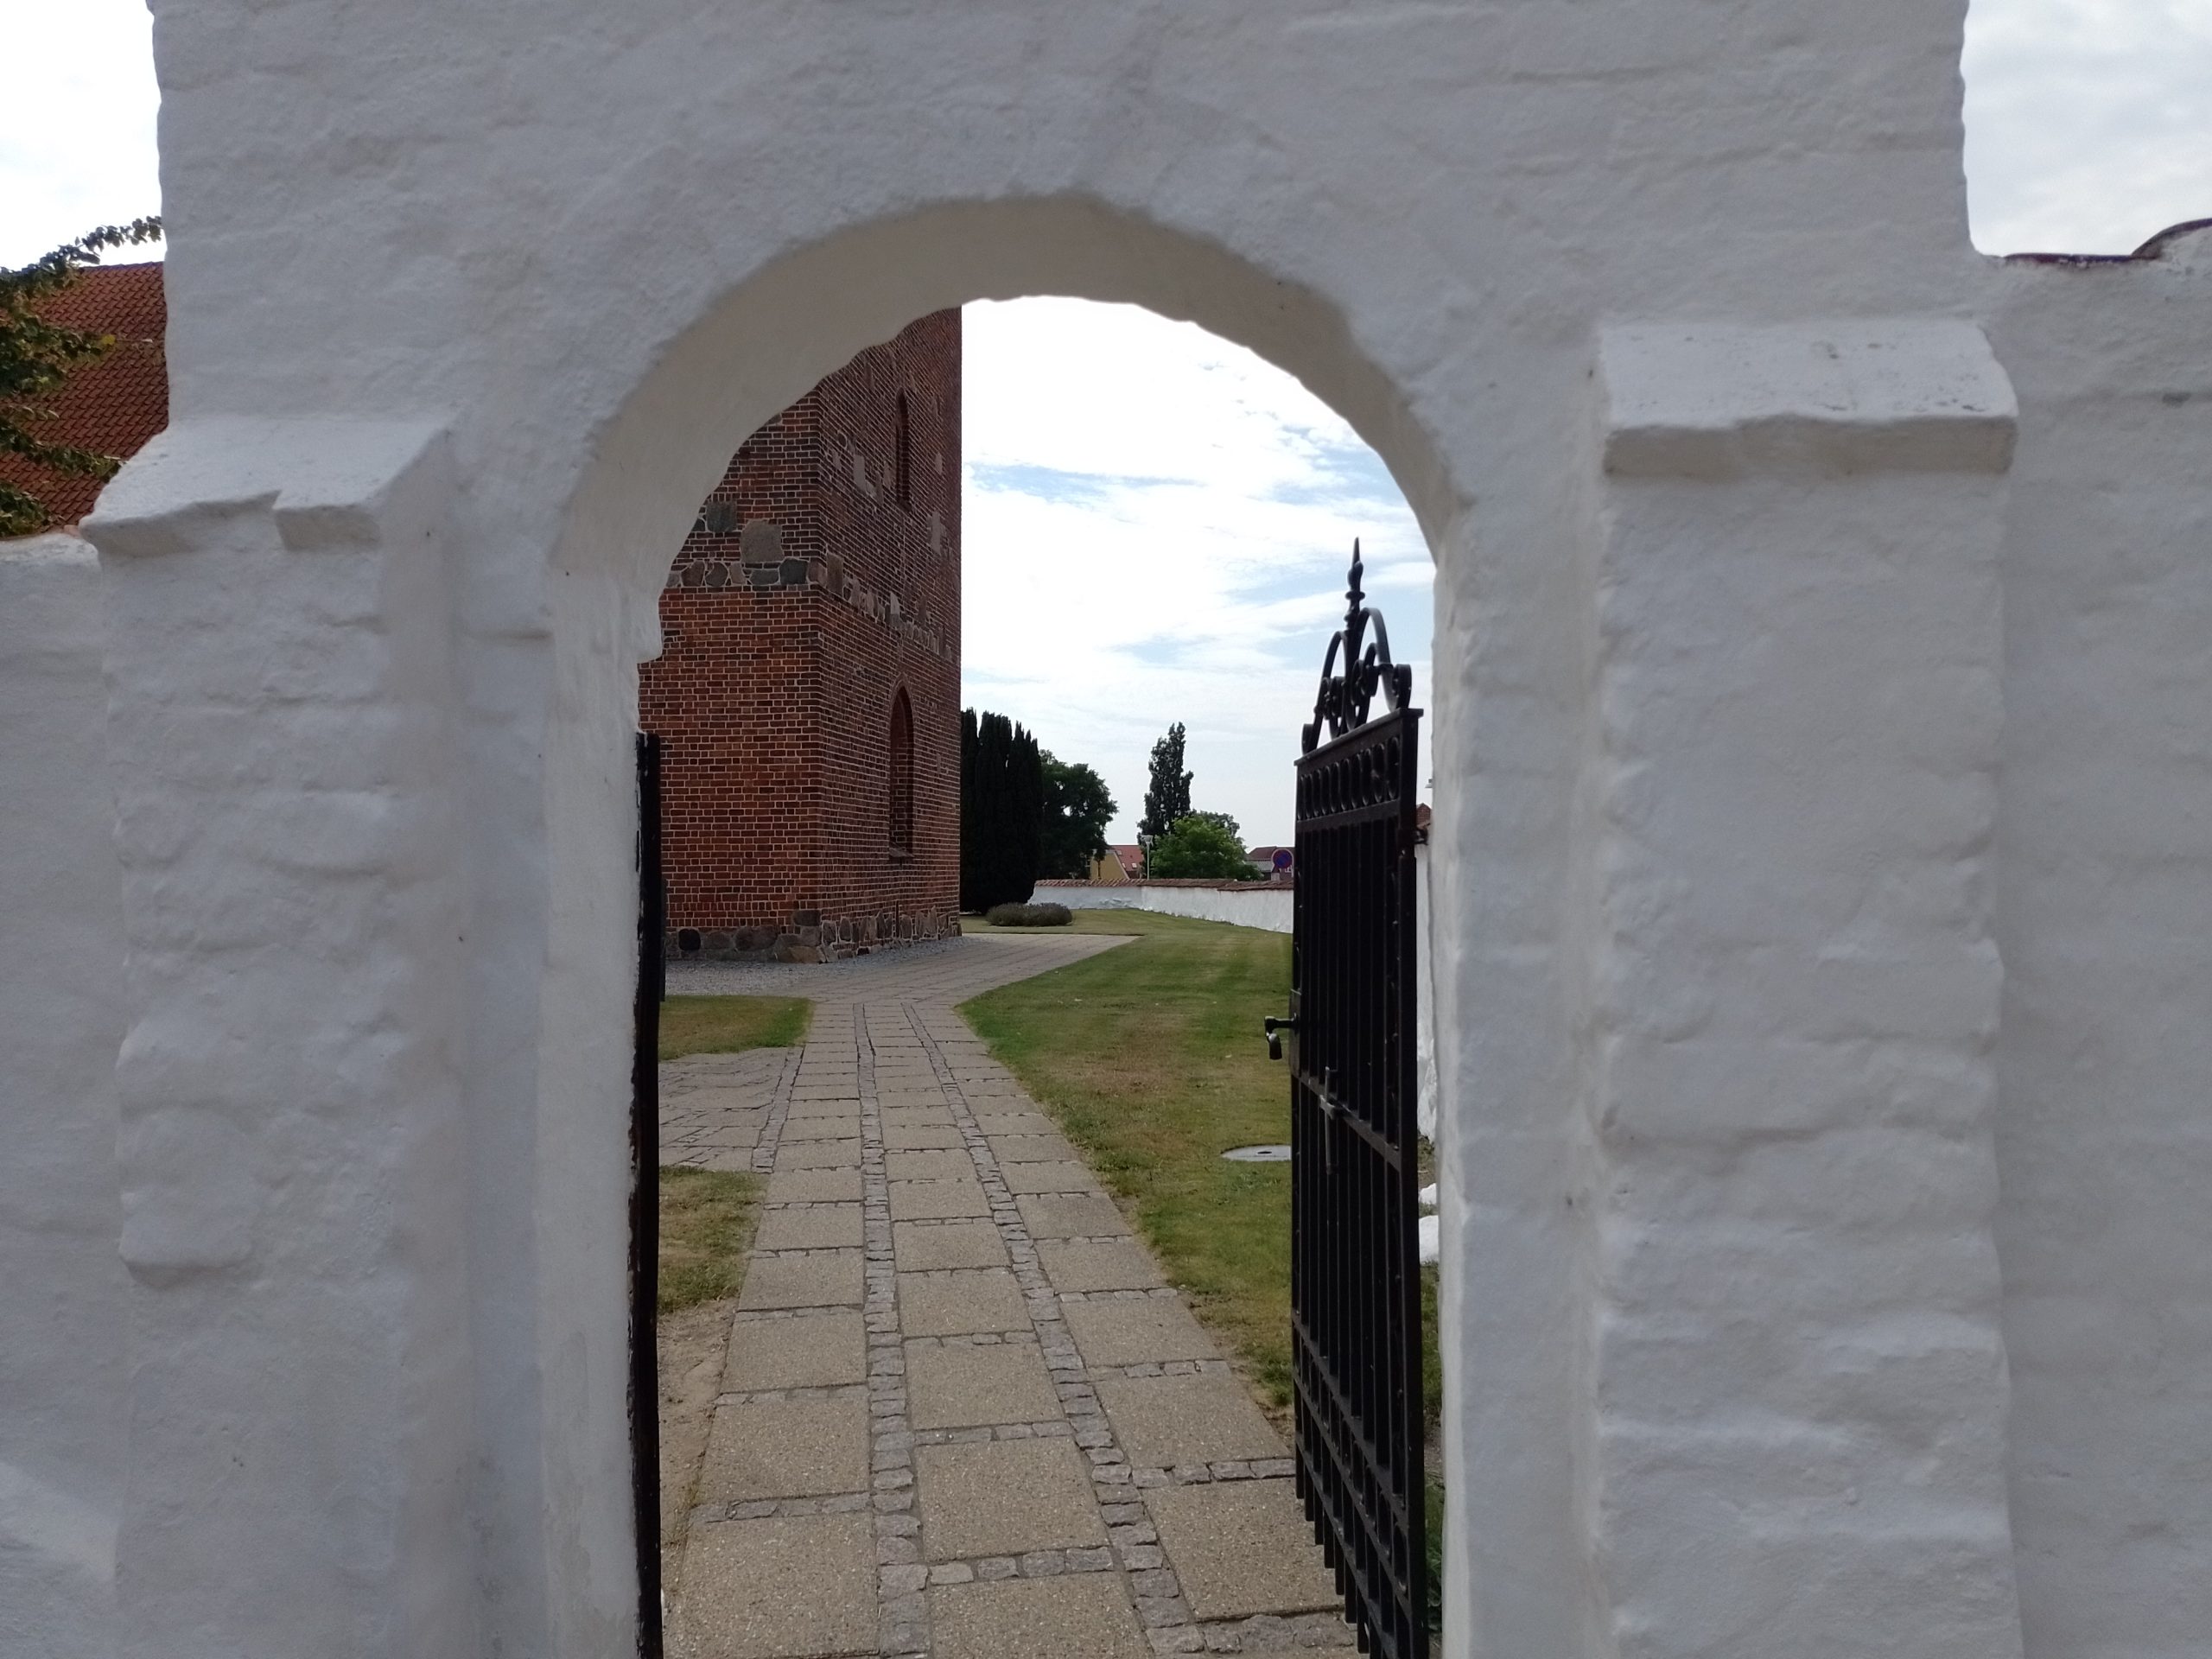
x: 902, y: 772
x: 902, y: 454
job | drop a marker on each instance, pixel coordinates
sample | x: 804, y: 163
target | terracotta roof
x: 112, y: 407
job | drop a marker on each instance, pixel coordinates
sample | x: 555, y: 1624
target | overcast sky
x: 1171, y: 544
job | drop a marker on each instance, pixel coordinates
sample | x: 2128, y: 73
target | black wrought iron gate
x: 1355, y: 1191
x: 645, y: 1199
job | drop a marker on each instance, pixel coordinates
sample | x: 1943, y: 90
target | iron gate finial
x: 1343, y: 701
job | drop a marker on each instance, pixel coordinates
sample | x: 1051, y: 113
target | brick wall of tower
x: 810, y: 591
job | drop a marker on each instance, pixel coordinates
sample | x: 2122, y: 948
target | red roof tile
x: 112, y: 407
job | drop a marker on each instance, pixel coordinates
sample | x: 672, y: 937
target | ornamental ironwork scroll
x: 1345, y: 697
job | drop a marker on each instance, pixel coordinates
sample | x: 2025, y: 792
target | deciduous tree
x: 1198, y: 847
x: 1077, y: 809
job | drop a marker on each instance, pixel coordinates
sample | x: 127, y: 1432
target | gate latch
x: 1274, y: 1029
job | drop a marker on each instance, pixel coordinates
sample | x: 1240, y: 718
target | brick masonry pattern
x: 816, y: 583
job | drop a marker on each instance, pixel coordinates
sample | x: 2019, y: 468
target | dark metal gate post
x: 1355, y: 1182
x: 645, y: 1199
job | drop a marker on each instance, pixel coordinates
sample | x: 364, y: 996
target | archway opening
x: 1297, y: 601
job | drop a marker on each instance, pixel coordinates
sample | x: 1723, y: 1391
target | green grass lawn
x: 729, y: 1025
x: 1151, y: 1058
x: 707, y: 1222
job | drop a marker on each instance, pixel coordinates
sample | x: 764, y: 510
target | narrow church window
x: 902, y: 455
x: 902, y: 772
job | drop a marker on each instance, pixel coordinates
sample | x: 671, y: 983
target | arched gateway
x: 1665, y: 319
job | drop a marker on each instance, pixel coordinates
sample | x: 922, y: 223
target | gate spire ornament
x: 1344, y: 700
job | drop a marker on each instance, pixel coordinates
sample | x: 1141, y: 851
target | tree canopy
x: 36, y: 356
x: 1200, y: 847
x: 1078, y: 808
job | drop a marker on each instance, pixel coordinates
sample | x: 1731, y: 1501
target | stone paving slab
x: 1075, y: 1615
x: 824, y: 1227
x: 1023, y: 1122
x: 964, y: 1386
x: 818, y: 1154
x: 779, y: 1588
x: 936, y: 1200
x: 845, y: 1126
x: 1005, y: 1497
x: 1031, y: 1149
x: 1051, y: 1178
x: 814, y: 1186
x: 1198, y: 1417
x: 1150, y: 1330
x: 816, y: 1279
x: 799, y: 1351
x: 1075, y: 1265
x: 960, y: 1304
x: 946, y: 1165
x: 952, y: 1244
x: 923, y: 1137
x: 1241, y: 1546
x: 803, y: 1447
x: 1072, y: 1216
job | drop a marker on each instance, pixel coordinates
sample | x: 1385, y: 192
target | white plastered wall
x: 467, y: 313
x: 61, y: 1286
x: 2104, y: 913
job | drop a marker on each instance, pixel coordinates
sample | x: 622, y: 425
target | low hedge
x: 1028, y: 916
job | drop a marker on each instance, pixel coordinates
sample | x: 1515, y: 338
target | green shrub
x: 1199, y: 846
x: 1028, y: 916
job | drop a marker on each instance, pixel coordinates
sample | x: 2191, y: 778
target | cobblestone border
x: 1130, y: 1535
x: 902, y: 1611
x: 779, y: 1107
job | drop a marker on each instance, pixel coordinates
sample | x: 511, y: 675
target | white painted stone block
x: 1719, y: 400
x: 61, y: 1287
x: 1796, y: 1367
x: 294, y: 1163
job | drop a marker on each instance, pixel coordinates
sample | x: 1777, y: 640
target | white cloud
x: 2089, y: 122
x: 77, y: 145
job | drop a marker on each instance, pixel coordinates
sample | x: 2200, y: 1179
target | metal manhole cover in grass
x: 1258, y: 1154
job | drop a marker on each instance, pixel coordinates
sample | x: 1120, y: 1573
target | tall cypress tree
x: 1002, y: 810
x: 971, y: 848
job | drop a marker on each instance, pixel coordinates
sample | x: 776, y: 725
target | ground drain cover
x: 1258, y: 1154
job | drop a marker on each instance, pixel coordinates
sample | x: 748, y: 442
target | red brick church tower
x: 807, y: 696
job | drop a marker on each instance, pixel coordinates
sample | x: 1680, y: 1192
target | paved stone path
x: 958, y: 1413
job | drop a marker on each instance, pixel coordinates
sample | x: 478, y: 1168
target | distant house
x: 1131, y: 858
x: 1106, y: 871
x: 112, y: 407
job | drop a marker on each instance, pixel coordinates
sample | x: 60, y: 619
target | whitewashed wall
x: 62, y: 1282
x: 1725, y: 647
x: 1266, y: 908
x: 2104, y: 913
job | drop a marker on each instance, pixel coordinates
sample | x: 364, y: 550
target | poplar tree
x: 1167, y: 797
